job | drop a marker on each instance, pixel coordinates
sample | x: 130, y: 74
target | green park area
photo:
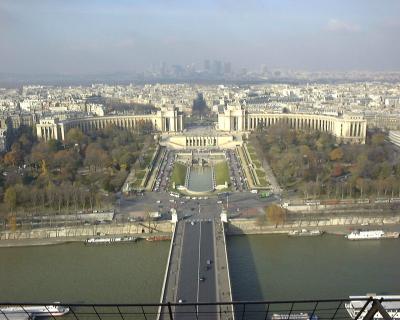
x: 318, y: 166
x: 257, y: 164
x: 179, y: 174
x: 82, y: 173
x: 144, y: 165
x: 221, y: 173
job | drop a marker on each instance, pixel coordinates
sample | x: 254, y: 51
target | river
x: 278, y: 267
x: 120, y: 273
x: 262, y: 267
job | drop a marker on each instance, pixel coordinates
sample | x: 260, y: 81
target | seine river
x: 278, y: 267
x: 262, y: 267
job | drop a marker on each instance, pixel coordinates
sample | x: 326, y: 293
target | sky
x: 99, y: 36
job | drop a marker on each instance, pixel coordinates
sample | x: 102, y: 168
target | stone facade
x: 213, y: 140
x: 170, y: 120
x: 348, y: 128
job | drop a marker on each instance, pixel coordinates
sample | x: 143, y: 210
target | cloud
x: 336, y: 25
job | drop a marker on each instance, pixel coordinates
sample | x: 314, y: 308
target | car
x: 192, y: 223
x: 202, y: 278
x: 209, y: 262
x: 158, y: 201
x: 219, y: 201
x: 180, y: 301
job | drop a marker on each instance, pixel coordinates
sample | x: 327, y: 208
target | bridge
x: 197, y: 272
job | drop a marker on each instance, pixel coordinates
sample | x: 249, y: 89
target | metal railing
x: 274, y: 310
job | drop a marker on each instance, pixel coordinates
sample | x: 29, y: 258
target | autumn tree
x: 96, y: 156
x: 75, y: 136
x: 336, y: 154
x: 10, y: 198
x: 275, y: 214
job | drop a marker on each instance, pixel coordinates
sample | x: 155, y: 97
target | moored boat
x: 293, y: 316
x: 371, y: 235
x: 391, y: 303
x: 35, y: 311
x: 111, y: 240
x: 305, y: 233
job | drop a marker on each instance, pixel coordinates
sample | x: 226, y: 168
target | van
x: 254, y: 191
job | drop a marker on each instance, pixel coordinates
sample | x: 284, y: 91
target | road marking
x: 179, y: 263
x: 198, y: 272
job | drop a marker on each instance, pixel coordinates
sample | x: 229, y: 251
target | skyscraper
x: 217, y: 68
x: 227, y: 68
x: 207, y: 65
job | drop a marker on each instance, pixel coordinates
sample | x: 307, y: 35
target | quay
x: 197, y: 272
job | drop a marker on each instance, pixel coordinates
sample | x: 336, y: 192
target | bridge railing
x: 274, y: 310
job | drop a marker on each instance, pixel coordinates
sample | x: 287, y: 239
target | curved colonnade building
x: 347, y: 128
x: 232, y: 120
x: 165, y: 121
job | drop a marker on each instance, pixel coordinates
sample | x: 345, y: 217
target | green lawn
x: 179, y: 174
x: 261, y: 174
x: 140, y: 174
x: 221, y: 173
x: 263, y: 181
x: 257, y: 163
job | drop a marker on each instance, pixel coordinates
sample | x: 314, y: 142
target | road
x: 197, y: 279
x: 209, y: 208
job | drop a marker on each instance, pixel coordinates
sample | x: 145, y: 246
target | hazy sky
x: 96, y: 36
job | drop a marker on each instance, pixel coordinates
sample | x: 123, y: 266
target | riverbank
x: 51, y: 236
x: 335, y: 226
x: 65, y: 240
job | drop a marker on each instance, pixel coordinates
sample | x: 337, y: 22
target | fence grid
x: 335, y: 309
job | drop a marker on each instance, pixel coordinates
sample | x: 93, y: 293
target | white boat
x: 293, y: 316
x: 305, y: 232
x: 371, y: 234
x: 356, y: 304
x: 110, y: 240
x: 34, y: 311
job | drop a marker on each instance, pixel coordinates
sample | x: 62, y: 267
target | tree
x: 96, y: 156
x: 10, y: 198
x: 75, y: 136
x: 276, y: 214
x: 336, y: 154
x: 378, y: 139
x: 13, y: 158
x: 337, y: 170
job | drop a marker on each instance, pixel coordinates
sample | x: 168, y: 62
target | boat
x: 391, y: 306
x: 110, y: 240
x: 34, y: 311
x: 391, y: 235
x: 371, y: 235
x: 293, y: 316
x: 305, y: 232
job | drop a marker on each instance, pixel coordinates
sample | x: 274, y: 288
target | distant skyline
x: 99, y: 36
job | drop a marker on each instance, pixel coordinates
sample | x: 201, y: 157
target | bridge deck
x: 198, y: 271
